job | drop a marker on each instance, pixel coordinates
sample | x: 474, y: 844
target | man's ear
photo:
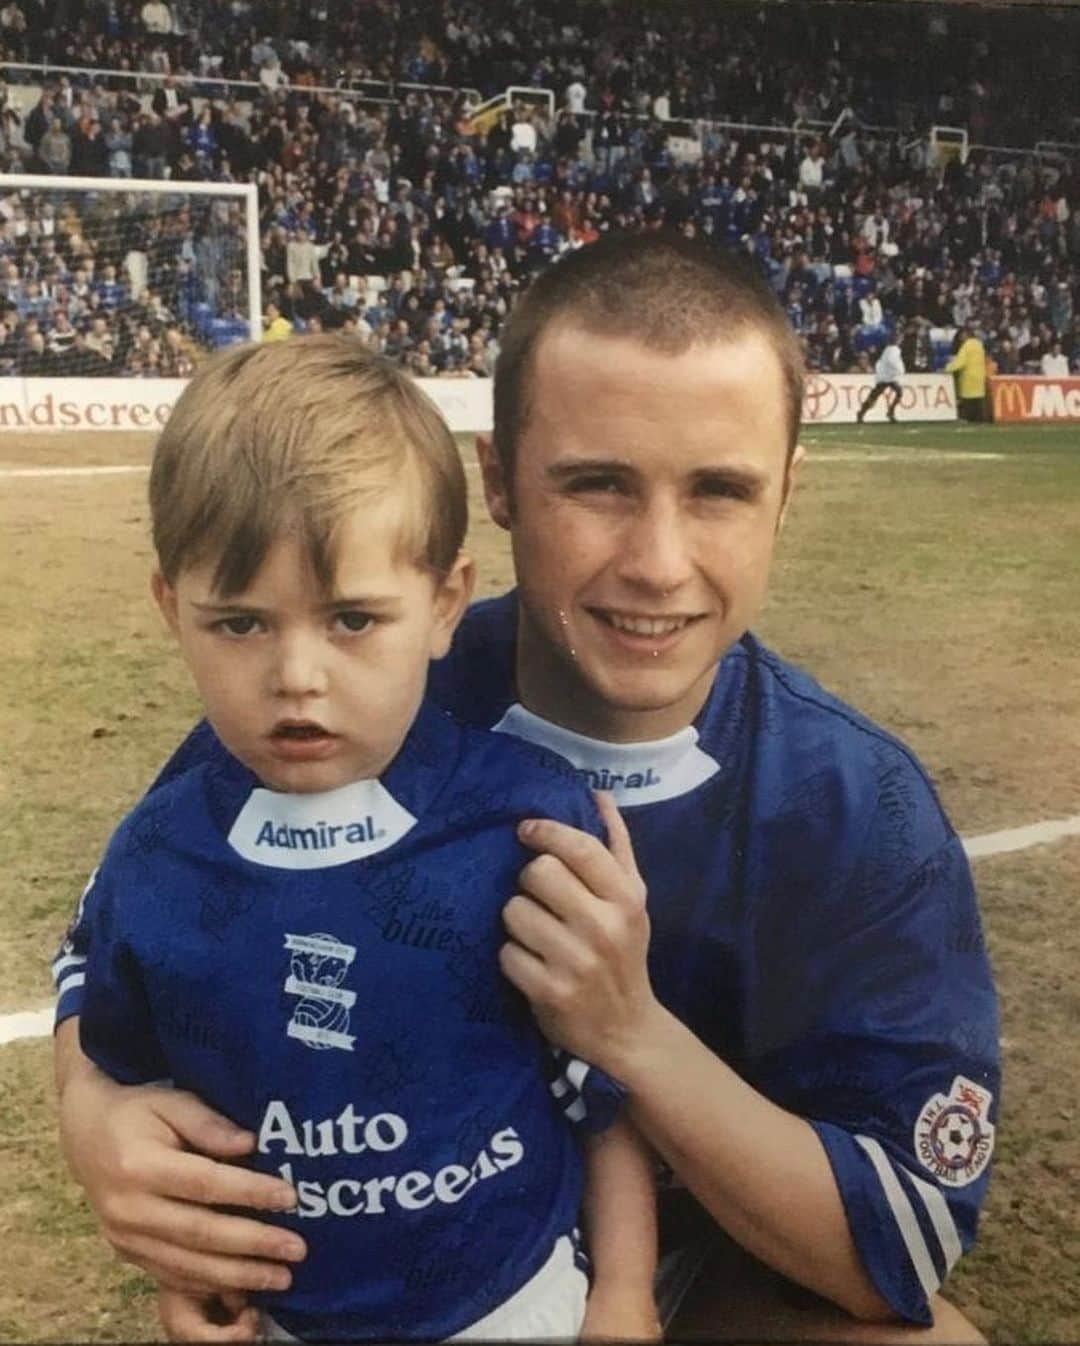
x: 165, y: 598
x: 451, y: 599
x: 797, y: 459
x: 496, y: 488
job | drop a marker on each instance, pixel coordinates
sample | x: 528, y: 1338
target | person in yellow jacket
x: 277, y: 327
x: 969, y: 364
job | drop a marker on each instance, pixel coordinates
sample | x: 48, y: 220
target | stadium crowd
x: 406, y: 220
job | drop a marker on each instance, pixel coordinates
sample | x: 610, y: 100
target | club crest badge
x: 953, y: 1136
x: 317, y: 967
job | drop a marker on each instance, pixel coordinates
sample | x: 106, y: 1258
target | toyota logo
x: 819, y: 398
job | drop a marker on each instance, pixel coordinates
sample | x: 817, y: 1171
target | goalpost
x: 136, y: 252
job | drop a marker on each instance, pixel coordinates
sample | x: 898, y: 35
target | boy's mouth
x: 302, y: 741
x: 299, y: 731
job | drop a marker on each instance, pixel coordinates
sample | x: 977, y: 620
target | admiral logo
x: 603, y: 779
x: 953, y: 1136
x: 316, y: 831
x: 322, y: 836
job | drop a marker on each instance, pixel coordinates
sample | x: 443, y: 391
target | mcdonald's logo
x: 1010, y: 400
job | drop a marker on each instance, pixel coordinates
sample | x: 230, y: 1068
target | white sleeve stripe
x: 576, y: 1111
x: 559, y: 1087
x: 70, y: 983
x: 69, y: 960
x: 904, y: 1215
x: 940, y: 1217
x: 576, y: 1072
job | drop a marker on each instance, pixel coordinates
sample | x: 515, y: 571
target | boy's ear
x: 451, y: 600
x: 496, y: 489
x: 165, y: 598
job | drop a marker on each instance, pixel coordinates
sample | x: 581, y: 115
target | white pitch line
x: 26, y: 1024
x: 39, y: 1023
x: 23, y: 472
x: 888, y: 454
x: 1020, y: 838
x: 884, y: 454
x: 13, y: 472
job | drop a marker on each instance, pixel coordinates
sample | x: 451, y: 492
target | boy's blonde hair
x: 296, y: 434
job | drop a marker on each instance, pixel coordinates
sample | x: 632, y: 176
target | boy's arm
x: 620, y: 1225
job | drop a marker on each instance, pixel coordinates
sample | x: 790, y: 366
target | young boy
x: 306, y: 933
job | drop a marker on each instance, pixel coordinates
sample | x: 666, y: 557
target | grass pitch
x: 929, y: 574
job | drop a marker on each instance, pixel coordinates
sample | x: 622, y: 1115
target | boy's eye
x: 240, y: 625
x: 353, y: 621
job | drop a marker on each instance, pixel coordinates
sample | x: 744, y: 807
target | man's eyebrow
x: 749, y: 479
x: 573, y: 467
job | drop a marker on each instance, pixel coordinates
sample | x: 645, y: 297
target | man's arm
x: 581, y: 962
x: 130, y: 1148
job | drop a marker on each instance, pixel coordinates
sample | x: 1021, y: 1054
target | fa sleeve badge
x: 953, y: 1136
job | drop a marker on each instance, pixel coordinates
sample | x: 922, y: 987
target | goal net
x: 125, y: 277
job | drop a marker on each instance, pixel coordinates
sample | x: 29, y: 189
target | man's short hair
x: 267, y: 438
x: 662, y: 289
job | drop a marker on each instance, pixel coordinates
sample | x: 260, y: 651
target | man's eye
x: 596, y: 485
x: 712, y: 488
x: 238, y: 626
x: 353, y: 622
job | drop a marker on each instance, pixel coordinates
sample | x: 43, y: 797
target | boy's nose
x: 299, y: 668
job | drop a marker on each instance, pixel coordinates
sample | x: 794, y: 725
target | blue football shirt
x: 323, y: 969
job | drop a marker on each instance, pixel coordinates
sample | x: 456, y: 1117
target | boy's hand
x: 225, y: 1317
x: 620, y: 1314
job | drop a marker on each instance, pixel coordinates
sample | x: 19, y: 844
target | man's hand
x: 224, y: 1317
x: 130, y: 1148
x: 579, y: 938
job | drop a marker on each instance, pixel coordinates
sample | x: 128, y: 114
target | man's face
x: 647, y: 495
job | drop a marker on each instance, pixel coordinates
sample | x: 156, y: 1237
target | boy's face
x: 311, y: 690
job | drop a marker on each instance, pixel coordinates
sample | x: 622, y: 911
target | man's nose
x: 656, y: 548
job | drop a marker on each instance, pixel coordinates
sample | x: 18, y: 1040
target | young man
x: 304, y: 928
x: 807, y: 1008
x: 888, y: 371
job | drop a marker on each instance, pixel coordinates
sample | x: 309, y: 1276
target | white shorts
x: 549, y: 1307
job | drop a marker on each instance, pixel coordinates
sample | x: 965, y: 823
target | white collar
x: 635, y: 773
x: 316, y: 831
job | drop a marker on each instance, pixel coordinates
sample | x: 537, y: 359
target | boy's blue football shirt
x: 323, y: 969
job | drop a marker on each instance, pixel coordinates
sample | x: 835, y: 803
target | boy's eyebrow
x: 362, y: 600
x: 333, y: 601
